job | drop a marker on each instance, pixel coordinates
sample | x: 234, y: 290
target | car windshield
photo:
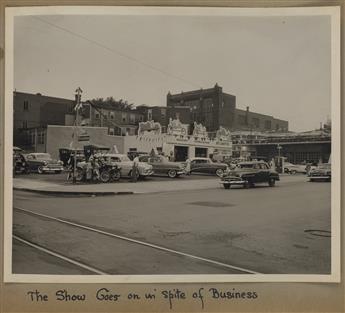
x: 43, y: 156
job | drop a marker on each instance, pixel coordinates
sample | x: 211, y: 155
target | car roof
x: 252, y: 162
x: 200, y: 158
x: 37, y: 153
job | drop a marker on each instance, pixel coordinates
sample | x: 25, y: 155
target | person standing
x: 135, y: 172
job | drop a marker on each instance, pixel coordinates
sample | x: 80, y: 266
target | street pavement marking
x: 140, y: 242
x: 60, y: 256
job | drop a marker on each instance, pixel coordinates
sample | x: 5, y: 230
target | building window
x: 268, y: 125
x: 97, y: 115
x: 33, y: 138
x: 26, y: 105
x: 132, y: 118
x: 25, y: 124
x: 112, y: 115
x: 256, y: 122
x: 124, y: 117
x: 241, y: 120
x: 141, y: 118
x: 149, y: 114
x: 41, y: 138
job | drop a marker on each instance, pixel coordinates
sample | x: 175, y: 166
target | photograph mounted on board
x: 172, y: 144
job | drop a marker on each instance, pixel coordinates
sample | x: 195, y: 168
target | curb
x: 76, y: 193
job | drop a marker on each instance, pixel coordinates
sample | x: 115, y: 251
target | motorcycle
x: 109, y: 172
x: 20, y: 166
x: 95, y: 171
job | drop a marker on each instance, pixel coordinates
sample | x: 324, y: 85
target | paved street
x: 261, y: 229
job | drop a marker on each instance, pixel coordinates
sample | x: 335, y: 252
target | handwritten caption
x: 170, y: 296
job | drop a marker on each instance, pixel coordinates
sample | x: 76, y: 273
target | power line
x: 92, y: 41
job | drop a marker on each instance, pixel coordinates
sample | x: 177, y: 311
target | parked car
x: 162, y: 166
x: 126, y: 164
x: 43, y: 163
x: 322, y: 172
x: 134, y: 154
x: 250, y: 173
x: 294, y: 168
x: 206, y: 165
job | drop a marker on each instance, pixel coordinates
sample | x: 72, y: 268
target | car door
x: 264, y: 173
x: 33, y: 164
x: 198, y: 166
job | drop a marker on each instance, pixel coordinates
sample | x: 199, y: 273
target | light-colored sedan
x: 294, y: 168
x: 126, y: 164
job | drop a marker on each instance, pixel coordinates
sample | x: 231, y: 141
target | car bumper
x: 319, y: 177
x: 52, y: 168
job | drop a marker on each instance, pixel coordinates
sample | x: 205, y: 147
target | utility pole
x: 78, y: 100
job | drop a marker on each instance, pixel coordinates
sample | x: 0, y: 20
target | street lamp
x: 279, y: 147
x: 76, y: 108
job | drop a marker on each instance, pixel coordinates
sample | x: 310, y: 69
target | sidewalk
x: 114, y: 188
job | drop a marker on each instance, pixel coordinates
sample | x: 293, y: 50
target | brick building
x: 156, y: 113
x: 33, y: 112
x: 214, y: 108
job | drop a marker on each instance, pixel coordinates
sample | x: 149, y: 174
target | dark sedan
x: 206, y: 165
x: 43, y: 163
x: 248, y: 174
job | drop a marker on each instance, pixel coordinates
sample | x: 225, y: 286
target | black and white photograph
x: 172, y: 144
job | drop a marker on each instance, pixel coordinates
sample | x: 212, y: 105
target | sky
x: 279, y: 66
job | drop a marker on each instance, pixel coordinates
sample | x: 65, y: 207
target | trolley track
x: 128, y: 240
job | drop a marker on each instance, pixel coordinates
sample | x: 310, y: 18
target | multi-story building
x: 33, y: 112
x: 119, y: 121
x: 156, y: 113
x: 214, y: 108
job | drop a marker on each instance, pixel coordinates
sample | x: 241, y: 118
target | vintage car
x: 206, y: 165
x: 162, y: 166
x: 43, y: 163
x: 248, y: 174
x: 290, y: 168
x: 126, y: 164
x: 322, y: 172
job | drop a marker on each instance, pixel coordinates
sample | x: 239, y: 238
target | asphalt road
x: 261, y: 229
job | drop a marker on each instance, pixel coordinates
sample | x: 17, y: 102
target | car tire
x: 293, y: 172
x: 58, y: 172
x: 219, y: 172
x: 116, y: 176
x: 172, y: 173
x: 40, y: 170
x: 104, y: 176
x: 271, y: 182
x: 226, y: 186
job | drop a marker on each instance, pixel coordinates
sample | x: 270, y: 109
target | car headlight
x: 45, y: 162
x: 60, y: 162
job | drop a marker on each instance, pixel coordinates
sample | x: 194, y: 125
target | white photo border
x: 332, y: 11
